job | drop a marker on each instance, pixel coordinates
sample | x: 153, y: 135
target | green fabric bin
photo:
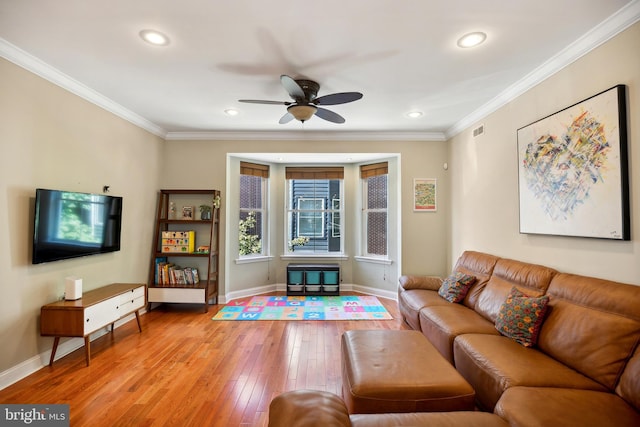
x: 330, y: 277
x: 312, y: 277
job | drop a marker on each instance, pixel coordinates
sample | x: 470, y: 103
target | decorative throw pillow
x: 455, y: 287
x: 520, y: 317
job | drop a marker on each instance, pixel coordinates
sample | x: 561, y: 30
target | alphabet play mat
x: 346, y: 307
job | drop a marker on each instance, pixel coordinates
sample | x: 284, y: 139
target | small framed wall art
x: 573, y: 173
x: 187, y: 212
x: 424, y: 195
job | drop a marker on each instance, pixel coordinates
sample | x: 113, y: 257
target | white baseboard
x: 29, y: 366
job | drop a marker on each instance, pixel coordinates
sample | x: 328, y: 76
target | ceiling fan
x: 306, y: 103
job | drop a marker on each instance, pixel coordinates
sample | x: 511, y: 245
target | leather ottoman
x: 399, y: 371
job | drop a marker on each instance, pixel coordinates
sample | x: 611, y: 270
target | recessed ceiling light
x: 231, y: 112
x: 414, y: 114
x: 472, y: 39
x: 154, y: 37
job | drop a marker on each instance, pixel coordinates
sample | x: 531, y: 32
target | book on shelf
x: 168, y: 273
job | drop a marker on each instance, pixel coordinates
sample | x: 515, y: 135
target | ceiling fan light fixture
x: 302, y: 112
x: 154, y: 37
x: 231, y: 112
x: 414, y: 114
x: 472, y: 39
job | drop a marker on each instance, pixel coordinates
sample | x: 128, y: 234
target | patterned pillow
x: 520, y: 317
x: 455, y: 287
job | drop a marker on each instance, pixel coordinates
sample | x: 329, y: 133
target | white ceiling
x: 401, y: 55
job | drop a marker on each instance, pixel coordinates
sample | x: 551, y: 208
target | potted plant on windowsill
x: 298, y: 241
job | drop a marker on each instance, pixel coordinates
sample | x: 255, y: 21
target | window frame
x: 366, y: 172
x: 329, y: 211
x: 262, y: 172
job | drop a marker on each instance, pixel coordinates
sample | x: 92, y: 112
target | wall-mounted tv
x: 69, y: 224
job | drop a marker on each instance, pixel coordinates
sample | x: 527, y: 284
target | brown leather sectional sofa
x: 584, y: 370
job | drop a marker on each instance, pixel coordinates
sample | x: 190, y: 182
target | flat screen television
x: 68, y: 224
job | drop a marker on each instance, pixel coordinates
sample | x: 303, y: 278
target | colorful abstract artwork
x: 424, y: 195
x: 573, y: 177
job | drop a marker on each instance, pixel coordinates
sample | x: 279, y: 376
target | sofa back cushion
x: 479, y: 265
x: 592, y: 325
x: 530, y: 279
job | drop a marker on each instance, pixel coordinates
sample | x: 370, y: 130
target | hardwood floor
x: 186, y: 370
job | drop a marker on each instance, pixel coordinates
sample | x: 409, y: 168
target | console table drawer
x: 130, y: 305
x: 132, y: 294
x: 100, y: 315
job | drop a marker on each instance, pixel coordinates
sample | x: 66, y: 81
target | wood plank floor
x: 186, y: 370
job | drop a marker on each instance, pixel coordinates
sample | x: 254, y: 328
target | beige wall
x: 484, y: 174
x: 424, y: 235
x: 53, y: 139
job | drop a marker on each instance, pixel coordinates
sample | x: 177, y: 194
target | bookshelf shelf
x: 179, y: 271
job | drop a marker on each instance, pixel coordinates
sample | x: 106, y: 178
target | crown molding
x: 607, y: 29
x: 36, y: 66
x: 306, y: 136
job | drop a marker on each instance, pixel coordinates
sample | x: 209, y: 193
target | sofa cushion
x: 476, y: 264
x: 629, y: 385
x: 442, y: 324
x: 531, y: 279
x: 520, y: 317
x: 411, y: 302
x: 455, y: 287
x: 557, y: 407
x: 494, y: 363
x: 592, y: 326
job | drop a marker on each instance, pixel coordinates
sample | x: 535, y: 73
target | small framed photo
x: 424, y: 195
x: 187, y: 212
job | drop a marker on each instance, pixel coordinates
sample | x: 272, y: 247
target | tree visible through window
x: 252, y: 208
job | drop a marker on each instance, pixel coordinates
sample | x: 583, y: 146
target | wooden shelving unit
x: 207, y: 233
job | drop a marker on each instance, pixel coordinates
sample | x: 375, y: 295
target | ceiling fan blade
x: 259, y: 101
x: 286, y: 118
x: 329, y: 116
x: 338, y: 98
x: 292, y: 87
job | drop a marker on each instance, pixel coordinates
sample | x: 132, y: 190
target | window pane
x: 311, y: 224
x: 314, y: 212
x: 377, y: 233
x: 250, y: 236
x: 377, y: 192
x: 250, y: 233
x: 250, y: 192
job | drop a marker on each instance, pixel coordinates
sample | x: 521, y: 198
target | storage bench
x: 313, y: 279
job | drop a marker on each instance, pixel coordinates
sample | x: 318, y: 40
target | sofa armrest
x: 308, y: 408
x: 430, y: 283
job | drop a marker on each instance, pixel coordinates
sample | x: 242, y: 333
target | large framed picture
x: 424, y: 195
x: 573, y: 170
